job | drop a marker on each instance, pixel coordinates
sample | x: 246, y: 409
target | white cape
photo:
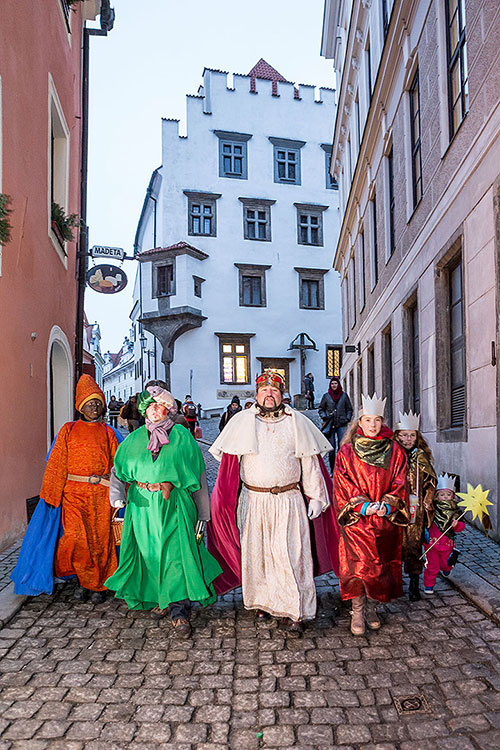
x: 239, y: 436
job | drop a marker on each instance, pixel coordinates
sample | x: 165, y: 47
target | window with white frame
x: 233, y: 155
x: 310, y: 223
x: 252, y: 284
x: 257, y: 219
x: 287, y: 160
x: 202, y: 213
x: 416, y: 150
x: 163, y: 279
x: 458, y: 77
x: 362, y: 270
x: 374, y: 241
x: 311, y: 288
x: 330, y: 181
x: 234, y: 358
x: 59, y: 142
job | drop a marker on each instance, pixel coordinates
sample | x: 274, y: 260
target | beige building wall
x: 458, y: 216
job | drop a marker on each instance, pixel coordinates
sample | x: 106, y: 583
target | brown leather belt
x: 273, y: 490
x: 151, y: 487
x: 92, y: 479
x: 164, y: 487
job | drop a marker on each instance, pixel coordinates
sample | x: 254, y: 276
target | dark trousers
x: 335, y: 438
x: 191, y: 426
x: 178, y: 610
x: 113, y: 420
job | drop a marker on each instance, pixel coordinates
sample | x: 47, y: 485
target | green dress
x: 160, y: 560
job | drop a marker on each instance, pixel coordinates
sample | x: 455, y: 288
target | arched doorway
x: 59, y: 382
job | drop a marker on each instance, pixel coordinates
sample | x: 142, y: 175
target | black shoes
x: 291, y: 626
x: 414, y: 589
x: 98, y: 597
x: 82, y: 595
x: 182, y: 627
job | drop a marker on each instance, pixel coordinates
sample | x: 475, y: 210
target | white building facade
x: 119, y: 373
x: 417, y: 156
x: 234, y: 241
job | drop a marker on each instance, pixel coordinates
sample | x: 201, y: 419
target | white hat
x: 445, y: 482
x: 373, y: 407
x: 408, y: 421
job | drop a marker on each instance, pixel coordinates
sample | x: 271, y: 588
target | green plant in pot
x: 63, y: 224
x: 5, y: 225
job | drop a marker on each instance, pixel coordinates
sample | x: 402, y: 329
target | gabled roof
x: 178, y: 248
x: 262, y: 69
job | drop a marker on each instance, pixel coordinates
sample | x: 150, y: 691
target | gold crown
x: 269, y: 377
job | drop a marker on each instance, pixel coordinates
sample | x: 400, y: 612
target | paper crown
x: 408, y: 421
x: 372, y: 406
x: 269, y: 377
x: 445, y: 482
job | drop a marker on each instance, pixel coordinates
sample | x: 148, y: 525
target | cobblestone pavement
x: 84, y: 677
x: 77, y: 676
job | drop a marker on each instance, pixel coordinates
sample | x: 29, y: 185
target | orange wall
x: 36, y: 291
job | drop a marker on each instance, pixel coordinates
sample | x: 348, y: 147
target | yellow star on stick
x: 475, y: 500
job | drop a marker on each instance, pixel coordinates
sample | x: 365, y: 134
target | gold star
x: 475, y: 500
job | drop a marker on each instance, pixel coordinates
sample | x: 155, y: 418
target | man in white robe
x: 279, y: 452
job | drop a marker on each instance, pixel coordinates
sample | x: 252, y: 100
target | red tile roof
x: 262, y: 69
x: 177, y: 246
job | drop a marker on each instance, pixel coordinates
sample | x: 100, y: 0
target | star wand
x: 474, y: 500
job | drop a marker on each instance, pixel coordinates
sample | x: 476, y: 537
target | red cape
x: 223, y: 536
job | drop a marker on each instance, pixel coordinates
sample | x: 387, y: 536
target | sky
x: 142, y: 71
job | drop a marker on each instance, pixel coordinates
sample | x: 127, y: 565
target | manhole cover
x: 411, y: 704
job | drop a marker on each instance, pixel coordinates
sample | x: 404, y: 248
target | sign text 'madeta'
x: 104, y: 251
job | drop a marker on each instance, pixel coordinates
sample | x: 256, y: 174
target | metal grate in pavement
x: 411, y: 704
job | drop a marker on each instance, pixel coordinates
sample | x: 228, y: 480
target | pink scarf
x: 158, y: 434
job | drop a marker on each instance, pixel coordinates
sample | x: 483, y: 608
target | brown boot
x: 372, y: 618
x: 182, y: 627
x: 358, y: 615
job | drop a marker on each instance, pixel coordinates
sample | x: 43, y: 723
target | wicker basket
x: 116, y: 527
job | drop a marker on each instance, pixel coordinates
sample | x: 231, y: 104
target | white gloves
x: 314, y: 510
x: 378, y: 508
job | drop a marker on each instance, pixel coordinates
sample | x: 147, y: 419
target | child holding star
x: 442, y: 532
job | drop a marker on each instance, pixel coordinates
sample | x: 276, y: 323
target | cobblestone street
x: 77, y: 676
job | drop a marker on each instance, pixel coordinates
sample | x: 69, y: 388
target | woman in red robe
x: 371, y: 502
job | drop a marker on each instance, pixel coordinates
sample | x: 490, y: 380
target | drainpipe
x: 107, y: 21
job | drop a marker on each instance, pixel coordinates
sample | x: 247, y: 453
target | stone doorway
x: 280, y: 365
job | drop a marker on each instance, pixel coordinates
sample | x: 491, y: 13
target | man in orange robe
x: 77, y: 479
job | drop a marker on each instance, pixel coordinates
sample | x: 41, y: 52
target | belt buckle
x: 274, y: 490
x: 94, y: 479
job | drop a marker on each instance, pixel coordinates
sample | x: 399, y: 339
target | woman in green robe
x: 163, y: 563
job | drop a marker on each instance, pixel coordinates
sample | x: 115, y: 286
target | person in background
x: 130, y: 412
x: 335, y: 410
x: 74, y: 500
x: 309, y: 390
x: 370, y: 494
x: 114, y: 407
x: 190, y: 412
x: 233, y: 408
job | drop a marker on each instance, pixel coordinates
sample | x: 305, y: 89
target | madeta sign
x: 103, y: 251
